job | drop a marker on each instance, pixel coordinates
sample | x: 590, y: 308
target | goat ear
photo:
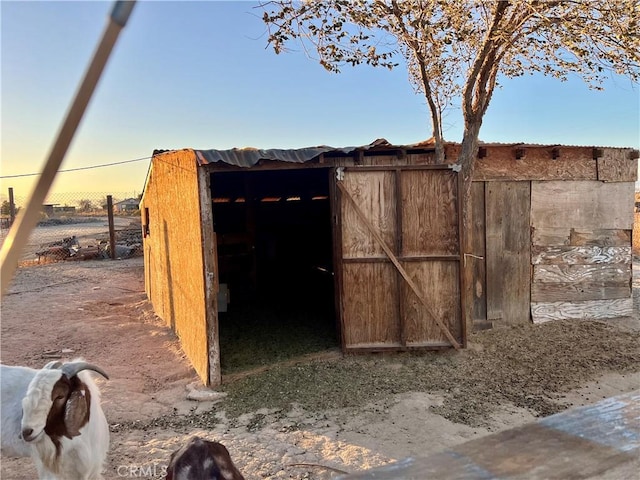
x: 52, y: 365
x: 76, y: 412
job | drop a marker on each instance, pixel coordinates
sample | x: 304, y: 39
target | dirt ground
x: 98, y: 310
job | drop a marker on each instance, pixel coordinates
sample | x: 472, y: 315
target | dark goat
x: 202, y: 460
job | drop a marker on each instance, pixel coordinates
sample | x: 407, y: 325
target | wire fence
x: 75, y: 226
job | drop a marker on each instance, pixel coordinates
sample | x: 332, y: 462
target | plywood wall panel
x: 429, y: 212
x: 580, y: 237
x: 581, y: 273
x: 572, y: 292
x: 551, y: 236
x: 616, y: 166
x: 594, y: 309
x: 175, y: 260
x: 439, y: 284
x: 586, y: 255
x: 582, y: 205
x: 421, y: 159
x: 374, y: 192
x: 574, y: 163
x: 602, y: 237
x: 370, y: 296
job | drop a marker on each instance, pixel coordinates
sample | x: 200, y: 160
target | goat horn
x: 72, y: 369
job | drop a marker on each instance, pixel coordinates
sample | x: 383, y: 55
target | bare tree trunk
x: 439, y: 145
x: 467, y: 159
x: 468, y: 153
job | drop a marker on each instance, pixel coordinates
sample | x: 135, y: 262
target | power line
x: 79, y: 168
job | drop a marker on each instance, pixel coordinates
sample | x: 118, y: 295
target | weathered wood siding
x: 370, y: 283
x: 429, y: 228
x: 174, y: 263
x: 508, y: 245
x: 375, y: 194
x: 581, y: 253
x: 211, y: 277
x: 474, y: 261
x: 415, y: 212
x: 370, y: 299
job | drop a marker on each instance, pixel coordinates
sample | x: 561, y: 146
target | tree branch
x: 468, y: 92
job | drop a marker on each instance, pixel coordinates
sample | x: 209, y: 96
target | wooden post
x: 112, y: 230
x: 12, y: 206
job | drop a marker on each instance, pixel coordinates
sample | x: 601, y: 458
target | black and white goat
x: 54, y: 416
x: 202, y: 460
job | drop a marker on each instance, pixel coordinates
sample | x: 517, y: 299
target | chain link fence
x: 75, y: 226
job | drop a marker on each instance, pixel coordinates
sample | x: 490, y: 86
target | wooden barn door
x: 399, y: 255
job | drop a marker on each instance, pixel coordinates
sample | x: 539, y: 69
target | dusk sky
x: 200, y: 75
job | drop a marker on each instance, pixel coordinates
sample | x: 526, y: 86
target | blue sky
x: 199, y: 75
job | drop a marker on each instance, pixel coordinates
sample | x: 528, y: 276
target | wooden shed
x: 375, y: 232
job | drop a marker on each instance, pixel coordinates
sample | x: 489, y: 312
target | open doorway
x: 275, y: 261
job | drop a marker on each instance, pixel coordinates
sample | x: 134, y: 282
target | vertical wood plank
x: 463, y: 246
x: 494, y: 245
x: 508, y: 246
x: 336, y: 230
x: 210, y: 277
x: 399, y: 248
x: 475, y: 264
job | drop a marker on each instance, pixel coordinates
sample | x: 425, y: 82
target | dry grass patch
x: 526, y: 365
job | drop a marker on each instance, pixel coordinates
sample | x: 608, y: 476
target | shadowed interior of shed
x: 275, y: 257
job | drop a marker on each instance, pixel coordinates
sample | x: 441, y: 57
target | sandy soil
x: 98, y: 310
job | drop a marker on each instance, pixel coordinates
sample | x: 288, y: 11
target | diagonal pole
x: 27, y: 219
x: 397, y: 264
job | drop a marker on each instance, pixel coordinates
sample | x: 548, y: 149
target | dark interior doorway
x: 275, y: 258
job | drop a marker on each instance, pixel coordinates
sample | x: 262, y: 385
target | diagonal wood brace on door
x: 397, y: 264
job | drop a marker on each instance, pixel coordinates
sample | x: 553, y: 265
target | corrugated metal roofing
x: 248, y: 157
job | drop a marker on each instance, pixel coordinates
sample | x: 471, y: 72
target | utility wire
x: 79, y: 168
